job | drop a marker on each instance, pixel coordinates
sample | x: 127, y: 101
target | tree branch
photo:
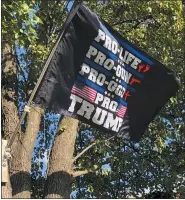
x: 113, y: 193
x: 75, y: 174
x: 86, y: 149
x: 124, y: 21
x: 138, y: 20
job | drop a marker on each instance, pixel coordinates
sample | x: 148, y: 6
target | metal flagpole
x: 10, y: 142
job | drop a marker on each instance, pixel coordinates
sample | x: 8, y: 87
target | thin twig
x: 79, y: 173
x: 139, y: 20
x: 86, y: 149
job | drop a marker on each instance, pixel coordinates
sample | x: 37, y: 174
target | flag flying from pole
x: 99, y: 77
x: 69, y: 5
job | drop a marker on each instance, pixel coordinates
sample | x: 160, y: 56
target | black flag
x: 102, y: 79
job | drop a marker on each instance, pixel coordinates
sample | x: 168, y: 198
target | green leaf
x: 26, y: 8
x: 38, y: 20
x: 173, y: 100
x: 90, y: 189
x: 16, y: 36
x: 31, y: 29
x: 95, y: 166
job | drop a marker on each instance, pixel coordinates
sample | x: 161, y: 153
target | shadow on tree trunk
x: 61, y: 185
x: 17, y: 181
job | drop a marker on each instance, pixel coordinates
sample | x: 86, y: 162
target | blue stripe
x: 104, y: 28
x: 119, y: 107
x: 105, y: 51
x: 98, y: 67
x: 124, y: 103
x: 127, y: 46
x: 134, y: 72
x: 125, y: 85
x: 69, y: 5
x: 115, y: 58
x: 105, y: 71
x: 99, y: 89
x: 135, y: 52
x: 91, y: 84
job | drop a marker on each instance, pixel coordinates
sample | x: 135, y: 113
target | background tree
x: 111, y: 167
x: 22, y: 51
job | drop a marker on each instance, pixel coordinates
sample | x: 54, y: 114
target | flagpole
x: 68, y: 19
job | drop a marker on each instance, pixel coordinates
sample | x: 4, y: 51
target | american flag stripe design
x: 121, y: 112
x: 86, y: 93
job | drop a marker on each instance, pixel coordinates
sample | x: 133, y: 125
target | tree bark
x: 20, y: 165
x: 20, y: 179
x: 58, y: 183
x: 10, y: 116
x: 6, y: 190
x: 10, y: 120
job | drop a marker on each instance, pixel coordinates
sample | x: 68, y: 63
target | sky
x: 53, y: 127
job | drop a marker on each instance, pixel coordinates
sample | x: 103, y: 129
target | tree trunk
x: 58, y: 183
x: 20, y: 179
x: 5, y: 179
x: 10, y: 120
x: 20, y: 165
x: 10, y: 116
x: 6, y: 190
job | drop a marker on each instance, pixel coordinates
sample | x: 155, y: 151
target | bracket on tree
x: 5, y: 156
x: 27, y: 108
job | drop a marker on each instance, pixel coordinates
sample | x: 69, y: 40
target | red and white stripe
x: 121, y: 112
x: 86, y: 93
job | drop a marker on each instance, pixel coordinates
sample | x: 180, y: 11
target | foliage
x: 155, y: 163
x: 118, y: 168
